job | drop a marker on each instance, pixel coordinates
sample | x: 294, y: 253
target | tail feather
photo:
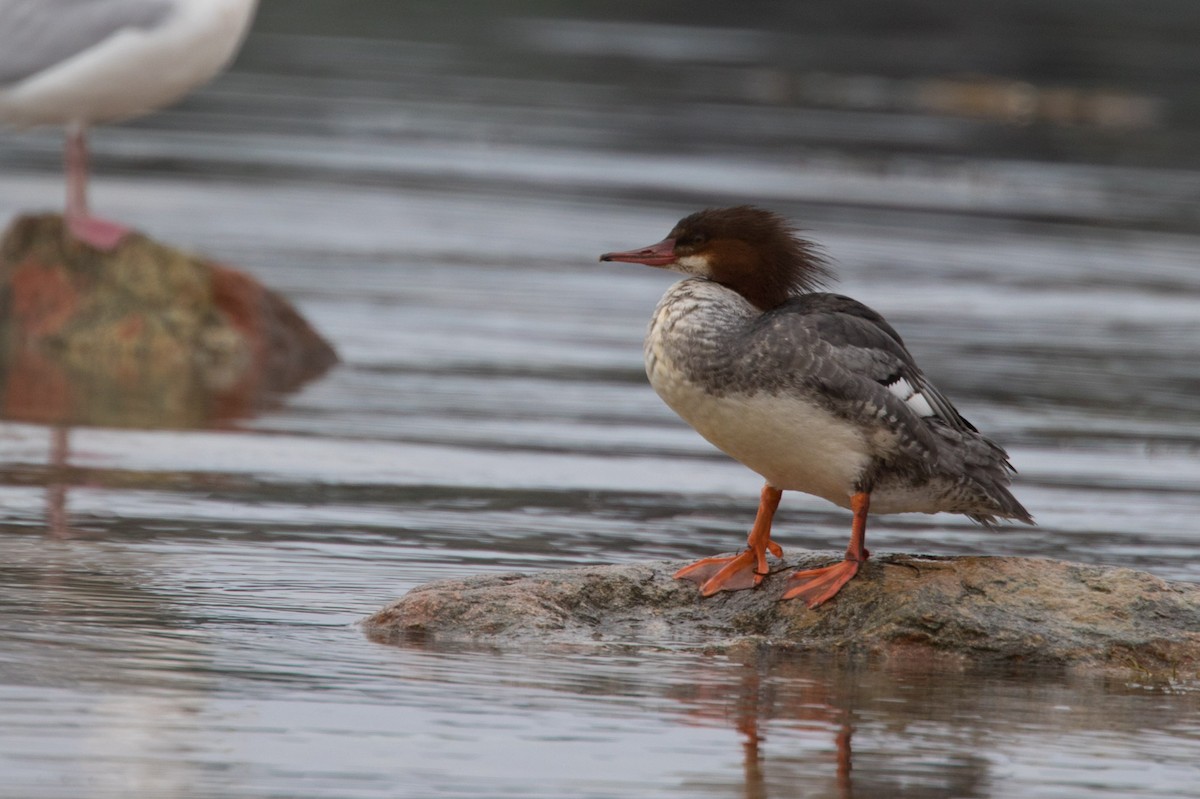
x: 982, y: 468
x: 1006, y: 507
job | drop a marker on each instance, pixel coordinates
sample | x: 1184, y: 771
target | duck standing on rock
x: 79, y: 62
x: 813, y: 391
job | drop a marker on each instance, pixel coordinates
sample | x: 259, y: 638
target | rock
x: 144, y: 336
x: 973, y: 609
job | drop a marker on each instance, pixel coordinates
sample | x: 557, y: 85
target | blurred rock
x: 968, y: 609
x: 144, y: 336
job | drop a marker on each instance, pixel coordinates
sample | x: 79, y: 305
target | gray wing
x: 863, y: 343
x: 840, y: 350
x: 37, y: 34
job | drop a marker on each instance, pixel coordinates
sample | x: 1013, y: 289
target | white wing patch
x: 911, y: 397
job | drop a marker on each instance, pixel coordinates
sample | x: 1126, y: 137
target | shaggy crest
x: 754, y: 252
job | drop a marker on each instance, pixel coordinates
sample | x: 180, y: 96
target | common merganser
x: 813, y: 391
x: 63, y: 62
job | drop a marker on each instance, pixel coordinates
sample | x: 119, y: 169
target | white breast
x: 792, y: 442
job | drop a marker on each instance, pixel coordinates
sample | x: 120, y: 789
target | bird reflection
x: 57, y: 480
x: 766, y: 689
x: 81, y: 346
x: 770, y: 690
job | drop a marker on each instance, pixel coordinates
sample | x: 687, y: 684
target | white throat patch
x: 693, y: 265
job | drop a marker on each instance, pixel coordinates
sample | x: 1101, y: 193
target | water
x: 433, y: 198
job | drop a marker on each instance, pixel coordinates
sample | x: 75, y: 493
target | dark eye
x: 691, y: 240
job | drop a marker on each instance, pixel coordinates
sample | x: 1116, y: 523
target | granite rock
x: 970, y: 609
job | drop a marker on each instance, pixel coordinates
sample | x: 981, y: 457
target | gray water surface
x: 433, y: 199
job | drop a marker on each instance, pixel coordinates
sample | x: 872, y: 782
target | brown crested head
x: 752, y: 251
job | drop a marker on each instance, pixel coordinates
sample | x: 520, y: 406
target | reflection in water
x: 820, y: 726
x: 144, y: 336
x: 56, y: 481
x: 757, y: 704
x: 770, y: 691
x: 84, y: 632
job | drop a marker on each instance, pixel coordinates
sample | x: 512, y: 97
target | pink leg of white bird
x: 99, y: 233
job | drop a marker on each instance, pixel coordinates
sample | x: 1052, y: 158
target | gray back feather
x: 37, y: 34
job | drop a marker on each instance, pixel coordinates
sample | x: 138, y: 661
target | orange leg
x: 746, y: 569
x: 820, y: 585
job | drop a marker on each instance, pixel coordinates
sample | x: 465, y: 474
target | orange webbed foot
x: 817, y: 586
x: 746, y: 569
x: 730, y: 573
x: 820, y: 585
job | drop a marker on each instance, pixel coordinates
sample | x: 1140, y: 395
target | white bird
x: 80, y: 62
